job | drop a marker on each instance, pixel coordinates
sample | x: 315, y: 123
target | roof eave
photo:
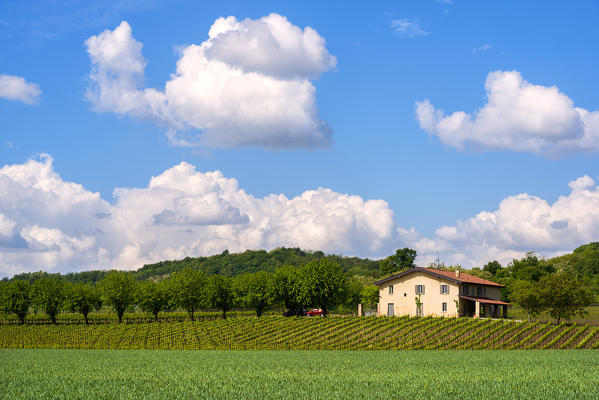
x: 426, y: 271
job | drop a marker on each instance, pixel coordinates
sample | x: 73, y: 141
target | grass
x: 303, y: 333
x: 133, y: 374
x: 591, y: 317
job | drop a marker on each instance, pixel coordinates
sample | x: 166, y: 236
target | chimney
x: 457, y: 273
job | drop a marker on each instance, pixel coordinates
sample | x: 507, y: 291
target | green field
x: 303, y: 333
x: 133, y: 374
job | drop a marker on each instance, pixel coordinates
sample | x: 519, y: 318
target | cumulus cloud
x: 16, y: 88
x: 518, y: 116
x: 521, y: 223
x: 47, y: 223
x: 248, y: 84
x: 408, y: 28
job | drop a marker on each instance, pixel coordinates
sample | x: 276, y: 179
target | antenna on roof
x: 437, y: 261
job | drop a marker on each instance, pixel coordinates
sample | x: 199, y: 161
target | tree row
x: 319, y: 283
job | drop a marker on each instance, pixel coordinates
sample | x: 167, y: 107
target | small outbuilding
x: 433, y: 292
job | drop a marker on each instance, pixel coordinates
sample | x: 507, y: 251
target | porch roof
x: 485, y: 300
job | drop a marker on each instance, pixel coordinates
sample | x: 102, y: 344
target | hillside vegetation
x: 226, y: 264
x: 302, y: 333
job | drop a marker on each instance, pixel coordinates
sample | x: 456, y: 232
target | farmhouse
x: 432, y: 292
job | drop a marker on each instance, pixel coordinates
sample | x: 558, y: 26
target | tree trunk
x: 156, y: 316
x: 120, y: 317
x: 53, y: 319
x: 324, y: 311
x: 224, y: 314
x: 190, y: 312
x: 85, y: 316
x: 528, y: 313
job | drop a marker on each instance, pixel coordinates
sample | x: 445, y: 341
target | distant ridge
x: 225, y: 263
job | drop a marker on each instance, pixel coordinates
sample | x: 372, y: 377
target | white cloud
x: 6, y: 226
x: 484, y: 47
x: 248, y: 84
x: 408, y: 28
x: 16, y: 88
x: 47, y: 223
x: 518, y: 116
x: 521, y: 223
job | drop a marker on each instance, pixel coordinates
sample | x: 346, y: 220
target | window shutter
x: 416, y: 289
x: 422, y: 289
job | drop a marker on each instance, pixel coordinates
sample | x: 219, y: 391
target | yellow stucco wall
x: 404, y: 294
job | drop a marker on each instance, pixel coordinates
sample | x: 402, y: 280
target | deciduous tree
x: 321, y: 283
x: 527, y: 295
x: 220, y: 293
x: 492, y: 267
x: 15, y: 298
x: 402, y: 259
x: 370, y: 296
x: 49, y: 295
x: 152, y: 297
x: 187, y: 289
x: 118, y: 290
x: 83, y: 298
x: 255, y: 290
x: 563, y: 296
x: 287, y: 289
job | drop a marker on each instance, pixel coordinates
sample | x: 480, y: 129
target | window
x: 480, y: 291
x: 419, y: 289
x: 390, y: 289
x: 465, y: 290
x: 443, y: 307
x: 444, y: 289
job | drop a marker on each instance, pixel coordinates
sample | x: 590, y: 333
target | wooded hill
x: 582, y: 263
x: 226, y: 264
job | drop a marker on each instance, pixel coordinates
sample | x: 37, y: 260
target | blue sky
x: 383, y: 58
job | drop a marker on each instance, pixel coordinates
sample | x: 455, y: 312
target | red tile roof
x: 464, y: 278
x: 485, y: 300
x: 449, y: 275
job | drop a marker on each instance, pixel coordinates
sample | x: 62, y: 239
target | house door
x: 419, y: 310
x: 390, y: 309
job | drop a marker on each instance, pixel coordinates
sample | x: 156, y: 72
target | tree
x: 527, y: 295
x: 83, y: 298
x: 563, y: 296
x: 402, y: 259
x: 321, y: 283
x: 152, y: 297
x: 492, y: 267
x: 255, y: 290
x: 220, y: 293
x: 187, y: 290
x: 15, y: 298
x: 49, y: 295
x: 286, y: 289
x: 370, y: 296
x: 118, y: 290
x: 353, y: 292
x: 530, y: 268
